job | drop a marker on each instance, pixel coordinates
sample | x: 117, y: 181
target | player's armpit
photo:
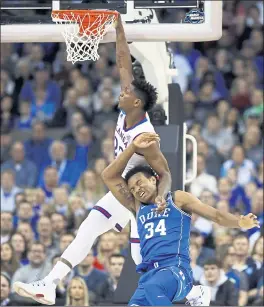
x: 157, y: 161
x: 192, y: 204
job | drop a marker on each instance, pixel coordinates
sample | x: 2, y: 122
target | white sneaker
x: 199, y: 296
x: 41, y: 291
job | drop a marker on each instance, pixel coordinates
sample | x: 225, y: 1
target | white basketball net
x: 82, y: 42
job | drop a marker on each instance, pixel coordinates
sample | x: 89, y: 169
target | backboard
x: 182, y: 20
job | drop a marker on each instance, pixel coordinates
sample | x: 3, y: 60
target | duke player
x: 136, y: 98
x: 164, y: 232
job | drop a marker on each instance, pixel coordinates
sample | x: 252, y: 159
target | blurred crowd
x: 49, y: 185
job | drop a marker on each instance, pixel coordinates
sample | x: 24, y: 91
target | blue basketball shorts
x: 162, y: 286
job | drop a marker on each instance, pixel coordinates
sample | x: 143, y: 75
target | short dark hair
x: 241, y: 235
x: 146, y: 170
x: 213, y: 261
x: 116, y: 256
x: 146, y: 92
x: 37, y: 243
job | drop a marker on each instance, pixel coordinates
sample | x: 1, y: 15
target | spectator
x: 116, y: 263
x: 233, y: 124
x: 216, y: 136
x: 85, y: 148
x: 106, y: 247
x: 5, y: 293
x: 77, y: 211
x: 245, y: 168
x: 257, y: 104
x: 25, y: 118
x: 51, y: 181
x: 6, y: 226
x: 68, y: 171
x: 96, y: 281
x: 257, y: 208
x: 99, y: 165
x: 90, y: 188
x: 240, y: 94
x: 252, y: 144
x: 246, y: 264
x: 37, y: 147
x: 223, y: 291
x: 8, y: 190
x: 84, y: 93
x: 19, y: 245
x: 108, y: 109
x: 203, y: 179
x: 25, y: 170
x: 239, y: 279
x: 197, y: 270
x: 58, y: 224
x: 7, y: 84
x: 257, y: 252
x: 25, y: 214
x: 62, y: 116
x: 77, y: 119
x: 37, y: 268
x: 65, y: 240
x: 77, y: 293
x: 204, y: 253
x: 43, y: 93
x: 7, y: 118
x: 45, y: 236
x: 9, y: 262
x: 60, y: 201
x: 25, y: 229
x: 5, y: 141
x: 107, y: 149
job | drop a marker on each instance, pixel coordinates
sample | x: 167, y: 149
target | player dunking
x: 164, y: 237
x: 136, y: 98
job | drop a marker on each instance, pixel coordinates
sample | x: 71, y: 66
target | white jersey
x: 124, y: 137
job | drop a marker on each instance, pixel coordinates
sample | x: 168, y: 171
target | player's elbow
x: 106, y: 175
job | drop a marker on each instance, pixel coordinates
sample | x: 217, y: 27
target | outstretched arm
x: 112, y: 175
x: 190, y: 203
x: 123, y: 57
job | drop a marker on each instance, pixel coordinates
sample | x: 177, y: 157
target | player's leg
x: 134, y: 240
x: 161, y: 288
x: 167, y: 285
x: 104, y: 217
x: 139, y: 298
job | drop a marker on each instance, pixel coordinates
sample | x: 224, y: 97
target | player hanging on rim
x: 136, y: 98
x: 164, y: 237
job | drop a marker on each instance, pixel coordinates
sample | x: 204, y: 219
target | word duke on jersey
x: 164, y: 235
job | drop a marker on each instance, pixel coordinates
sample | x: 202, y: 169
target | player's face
x: 143, y: 189
x: 128, y: 100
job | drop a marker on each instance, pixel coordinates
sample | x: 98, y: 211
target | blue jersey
x: 164, y: 235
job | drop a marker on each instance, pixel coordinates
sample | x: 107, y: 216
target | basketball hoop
x: 83, y: 31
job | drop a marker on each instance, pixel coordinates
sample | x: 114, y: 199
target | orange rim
x: 88, y: 16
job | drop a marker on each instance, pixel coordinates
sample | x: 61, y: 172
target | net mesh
x: 83, y: 32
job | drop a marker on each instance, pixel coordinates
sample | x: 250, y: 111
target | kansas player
x: 136, y: 98
x: 164, y: 232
